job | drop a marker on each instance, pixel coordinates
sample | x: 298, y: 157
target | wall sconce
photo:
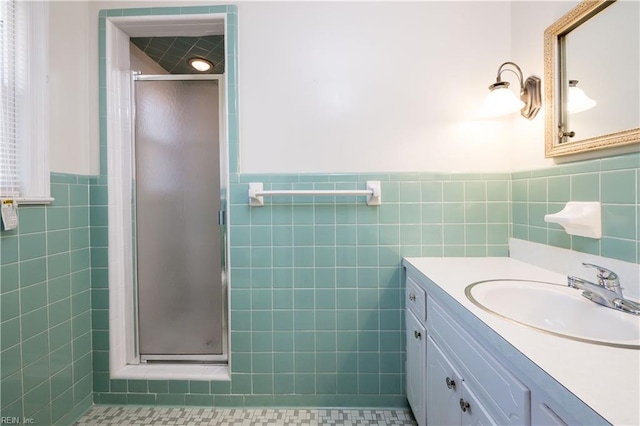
x: 578, y: 101
x: 502, y: 101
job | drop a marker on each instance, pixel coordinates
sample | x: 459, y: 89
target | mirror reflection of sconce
x: 578, y: 101
x: 502, y: 101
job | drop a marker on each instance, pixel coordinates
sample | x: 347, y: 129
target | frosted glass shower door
x: 178, y: 238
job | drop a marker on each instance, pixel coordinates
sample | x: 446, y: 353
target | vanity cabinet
x: 467, y: 367
x: 451, y: 378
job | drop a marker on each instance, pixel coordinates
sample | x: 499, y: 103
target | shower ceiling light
x: 200, y: 64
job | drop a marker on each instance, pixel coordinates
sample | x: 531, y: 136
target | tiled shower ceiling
x: 173, y: 53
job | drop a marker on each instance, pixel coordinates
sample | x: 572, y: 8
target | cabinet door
x: 415, y: 367
x: 473, y: 412
x: 444, y: 386
x: 507, y: 398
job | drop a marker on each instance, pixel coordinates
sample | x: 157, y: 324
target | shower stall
x: 178, y: 217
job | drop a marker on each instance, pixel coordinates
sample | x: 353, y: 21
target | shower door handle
x: 221, y: 217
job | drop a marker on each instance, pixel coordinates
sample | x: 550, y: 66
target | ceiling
x: 173, y: 53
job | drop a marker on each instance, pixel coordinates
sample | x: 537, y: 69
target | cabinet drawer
x: 415, y: 299
x: 502, y: 394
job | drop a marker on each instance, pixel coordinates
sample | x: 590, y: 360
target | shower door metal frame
x: 221, y: 218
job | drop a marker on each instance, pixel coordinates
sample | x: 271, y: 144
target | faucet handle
x: 606, y: 277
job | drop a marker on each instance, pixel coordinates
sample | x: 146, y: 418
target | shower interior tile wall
x: 45, y: 320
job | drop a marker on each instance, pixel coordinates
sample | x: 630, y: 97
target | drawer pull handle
x: 417, y: 334
x: 464, y: 405
x: 451, y: 384
x: 412, y: 297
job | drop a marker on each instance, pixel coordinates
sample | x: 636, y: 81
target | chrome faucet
x: 606, y: 292
x: 607, y: 278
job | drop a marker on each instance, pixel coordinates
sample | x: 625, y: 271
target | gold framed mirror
x: 597, y: 45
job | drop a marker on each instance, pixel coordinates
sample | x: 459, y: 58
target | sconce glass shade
x: 577, y: 100
x: 501, y: 101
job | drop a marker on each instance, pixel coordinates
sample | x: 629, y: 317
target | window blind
x: 9, y: 158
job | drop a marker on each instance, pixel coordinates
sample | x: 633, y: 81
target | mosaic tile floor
x: 130, y: 415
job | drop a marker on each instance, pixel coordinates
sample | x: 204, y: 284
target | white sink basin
x: 556, y: 309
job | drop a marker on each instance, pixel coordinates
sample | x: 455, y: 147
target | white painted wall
x: 350, y: 86
x: 342, y: 87
x: 73, y: 107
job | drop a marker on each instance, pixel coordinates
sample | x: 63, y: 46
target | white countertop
x: 605, y: 378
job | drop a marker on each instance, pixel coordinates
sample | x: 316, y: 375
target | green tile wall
x: 317, y: 288
x: 614, y: 181
x: 317, y: 294
x: 45, y: 315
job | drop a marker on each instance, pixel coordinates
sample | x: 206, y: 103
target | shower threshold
x: 182, y: 361
x: 184, y: 358
x: 173, y: 371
